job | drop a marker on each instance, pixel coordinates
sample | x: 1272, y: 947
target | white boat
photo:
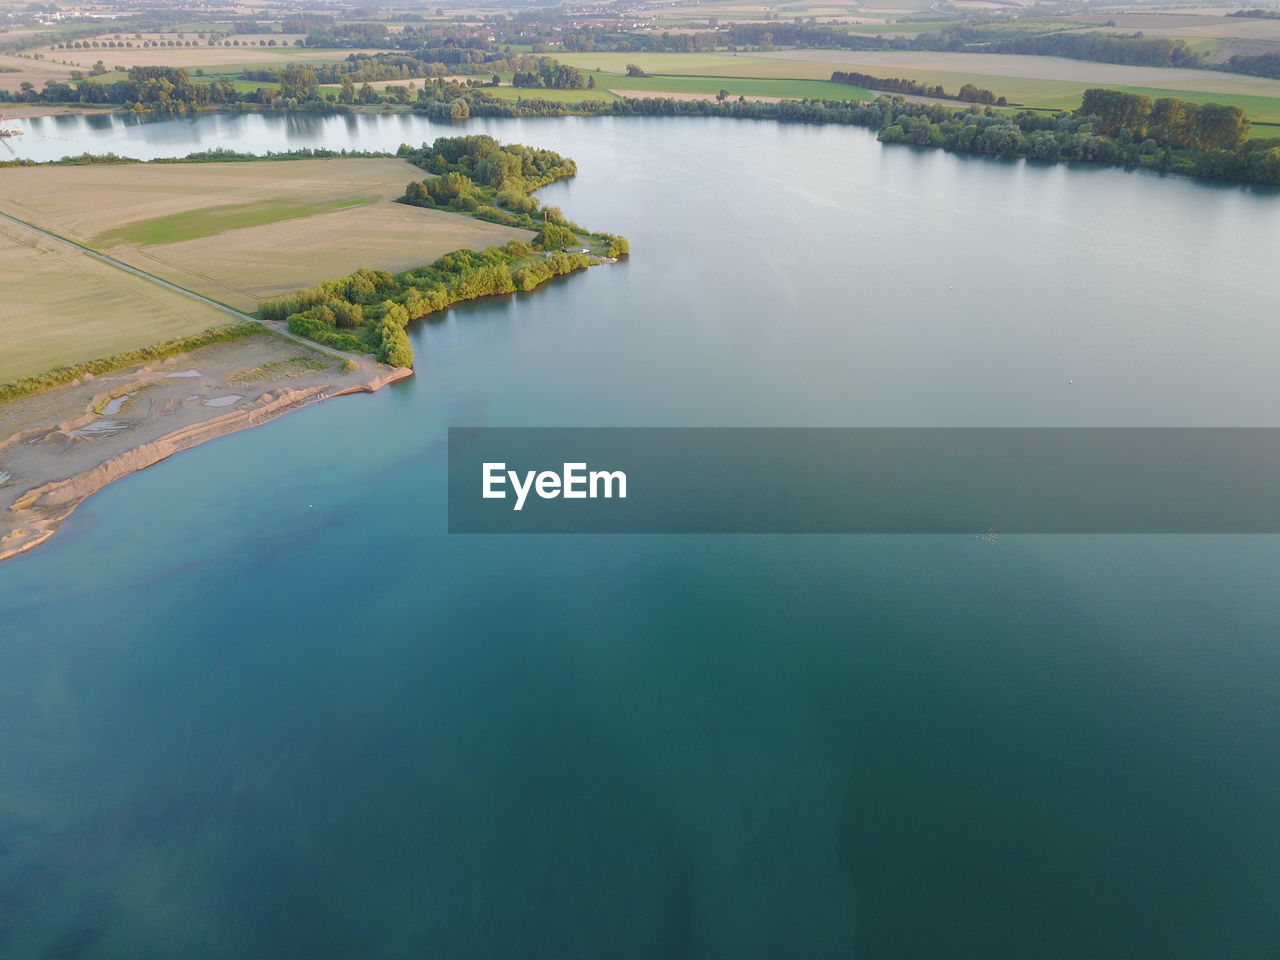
x: 9, y: 131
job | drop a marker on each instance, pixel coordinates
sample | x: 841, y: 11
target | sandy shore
x: 59, y: 447
x: 17, y: 111
x: 664, y: 95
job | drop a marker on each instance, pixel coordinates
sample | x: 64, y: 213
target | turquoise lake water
x: 256, y: 703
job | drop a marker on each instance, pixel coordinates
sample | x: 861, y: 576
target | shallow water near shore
x: 255, y: 702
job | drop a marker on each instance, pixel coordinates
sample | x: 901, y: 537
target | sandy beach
x: 19, y: 111
x: 59, y: 447
x: 664, y: 95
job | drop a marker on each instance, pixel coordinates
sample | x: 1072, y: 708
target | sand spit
x: 665, y: 95
x: 20, y: 111
x: 60, y: 447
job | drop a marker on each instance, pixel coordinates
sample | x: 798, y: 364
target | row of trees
x: 367, y: 312
x: 159, y: 88
x: 1075, y: 137
x: 1134, y: 48
x: 349, y: 35
x: 969, y: 92
x: 1199, y: 139
x: 1261, y: 65
x: 552, y: 75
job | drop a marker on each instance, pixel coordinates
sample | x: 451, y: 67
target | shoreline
x: 30, y: 111
x: 52, y: 462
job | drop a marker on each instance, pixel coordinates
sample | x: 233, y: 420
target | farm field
x: 737, y: 86
x: 1043, y: 82
x: 36, y: 72
x: 1173, y: 25
x: 1217, y: 37
x: 64, y: 307
x: 710, y: 64
x: 237, y: 232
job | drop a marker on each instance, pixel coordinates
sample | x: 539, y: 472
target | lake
x: 256, y: 703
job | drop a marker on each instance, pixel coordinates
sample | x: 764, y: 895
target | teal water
x: 254, y: 702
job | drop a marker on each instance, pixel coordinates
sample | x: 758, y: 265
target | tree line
x: 1204, y: 140
x: 1133, y: 49
x: 368, y: 311
x: 1198, y: 139
x: 1168, y: 121
x: 969, y: 92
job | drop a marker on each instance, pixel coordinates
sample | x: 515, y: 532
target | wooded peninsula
x: 367, y: 312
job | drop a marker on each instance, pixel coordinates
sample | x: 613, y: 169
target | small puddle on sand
x: 115, y: 403
x: 223, y: 401
x: 184, y: 373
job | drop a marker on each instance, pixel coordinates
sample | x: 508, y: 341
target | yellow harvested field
x: 243, y: 266
x: 63, y: 307
x: 237, y: 232
x: 84, y: 203
x: 35, y: 72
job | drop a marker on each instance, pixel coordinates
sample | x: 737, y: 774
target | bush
x: 554, y: 237
x: 615, y: 246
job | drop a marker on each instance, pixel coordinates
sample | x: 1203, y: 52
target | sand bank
x: 20, y: 111
x: 60, y: 447
x: 665, y: 95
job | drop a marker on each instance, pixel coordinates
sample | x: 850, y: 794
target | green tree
x: 553, y: 236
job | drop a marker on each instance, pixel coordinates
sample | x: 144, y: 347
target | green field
x: 1261, y: 109
x: 737, y: 86
x: 250, y: 86
x: 211, y: 221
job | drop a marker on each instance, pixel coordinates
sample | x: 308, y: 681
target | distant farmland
x: 1043, y: 82
x: 238, y: 232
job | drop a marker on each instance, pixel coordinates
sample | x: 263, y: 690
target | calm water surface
x: 255, y: 703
